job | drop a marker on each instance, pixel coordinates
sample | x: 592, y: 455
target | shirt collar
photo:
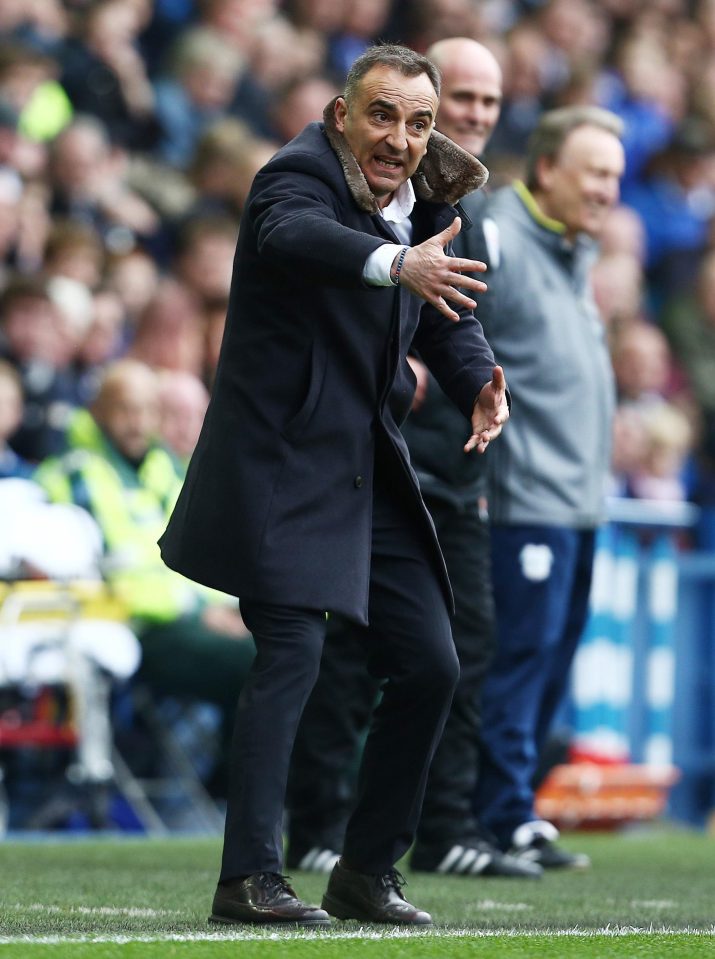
x: 527, y: 198
x: 400, y: 206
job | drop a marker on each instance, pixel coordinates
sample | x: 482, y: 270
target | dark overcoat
x: 277, y: 503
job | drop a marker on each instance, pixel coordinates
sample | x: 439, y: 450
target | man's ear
x: 341, y: 111
x: 544, y: 172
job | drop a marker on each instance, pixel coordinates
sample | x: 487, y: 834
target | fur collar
x: 446, y: 172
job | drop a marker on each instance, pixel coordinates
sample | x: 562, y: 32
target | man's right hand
x: 431, y: 274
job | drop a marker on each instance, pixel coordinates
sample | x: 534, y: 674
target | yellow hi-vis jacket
x: 131, y: 507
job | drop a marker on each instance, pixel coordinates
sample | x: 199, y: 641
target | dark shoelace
x: 393, y: 880
x: 275, y: 880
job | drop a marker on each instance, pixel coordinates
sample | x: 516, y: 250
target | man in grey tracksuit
x: 546, y: 479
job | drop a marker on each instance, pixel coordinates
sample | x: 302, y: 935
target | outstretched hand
x: 430, y: 273
x: 490, y: 413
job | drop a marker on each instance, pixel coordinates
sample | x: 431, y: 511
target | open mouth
x: 387, y: 164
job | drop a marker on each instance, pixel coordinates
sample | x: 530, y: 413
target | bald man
x: 449, y: 840
x: 193, y: 645
x: 471, y: 93
x: 183, y: 400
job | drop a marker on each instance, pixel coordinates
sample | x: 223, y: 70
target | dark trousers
x: 410, y: 649
x: 542, y: 580
x: 321, y: 788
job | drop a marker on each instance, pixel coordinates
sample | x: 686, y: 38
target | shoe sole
x: 575, y: 865
x: 566, y: 866
x: 225, y: 921
x: 341, y: 910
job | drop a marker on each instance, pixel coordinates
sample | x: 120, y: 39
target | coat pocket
x: 294, y: 428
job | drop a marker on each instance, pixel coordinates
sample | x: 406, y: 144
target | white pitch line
x: 93, y: 910
x: 368, y: 934
x: 652, y: 903
x: 484, y: 904
x: 488, y: 904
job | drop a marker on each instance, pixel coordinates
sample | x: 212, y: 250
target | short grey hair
x: 398, y: 58
x: 555, y: 126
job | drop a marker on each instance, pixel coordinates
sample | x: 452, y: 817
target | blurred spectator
x: 280, y: 54
x: 105, y: 76
x: 636, y: 91
x: 577, y: 33
x: 668, y: 439
x: 237, y: 21
x: 169, y: 335
x: 183, y: 400
x: 525, y: 71
x: 74, y: 314
x: 617, y: 280
x: 168, y: 19
x: 204, y: 256
x: 30, y: 334
x: 28, y: 82
x: 226, y: 159
x: 11, y: 465
x: 642, y: 364
x: 362, y: 24
x: 34, y: 227
x: 41, y: 24
x: 689, y: 324
x: 89, y: 184
x: 134, y: 277
x: 193, y: 642
x: 627, y: 454
x: 101, y: 344
x: 300, y: 103
x: 676, y: 201
x: 197, y: 89
x: 623, y: 233
x: 427, y: 21
x: 16, y: 151
x: 322, y: 16
x: 74, y: 250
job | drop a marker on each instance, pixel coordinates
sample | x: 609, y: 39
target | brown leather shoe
x: 370, y: 898
x: 263, y: 897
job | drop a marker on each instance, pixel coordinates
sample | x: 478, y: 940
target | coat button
x: 358, y: 482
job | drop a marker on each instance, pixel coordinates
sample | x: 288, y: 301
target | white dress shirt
x: 397, y: 214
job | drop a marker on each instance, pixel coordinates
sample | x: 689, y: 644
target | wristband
x: 400, y: 260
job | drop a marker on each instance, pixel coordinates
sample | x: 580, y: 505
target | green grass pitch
x: 649, y: 893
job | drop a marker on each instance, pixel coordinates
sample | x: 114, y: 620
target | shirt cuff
x: 376, y: 271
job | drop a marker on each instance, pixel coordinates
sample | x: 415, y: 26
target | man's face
x: 31, y: 328
x: 387, y: 127
x: 470, y: 102
x: 129, y: 415
x: 581, y: 184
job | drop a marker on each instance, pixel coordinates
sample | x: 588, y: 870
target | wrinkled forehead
x: 592, y: 146
x: 384, y: 85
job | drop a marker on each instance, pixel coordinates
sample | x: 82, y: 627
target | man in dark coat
x: 320, y: 786
x: 300, y: 497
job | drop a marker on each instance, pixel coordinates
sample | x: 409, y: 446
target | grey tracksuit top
x: 550, y: 463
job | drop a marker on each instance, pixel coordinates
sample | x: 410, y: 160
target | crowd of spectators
x: 130, y: 131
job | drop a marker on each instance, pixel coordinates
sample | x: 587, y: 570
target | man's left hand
x: 490, y: 413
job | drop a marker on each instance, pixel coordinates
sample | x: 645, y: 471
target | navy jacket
x: 277, y: 506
